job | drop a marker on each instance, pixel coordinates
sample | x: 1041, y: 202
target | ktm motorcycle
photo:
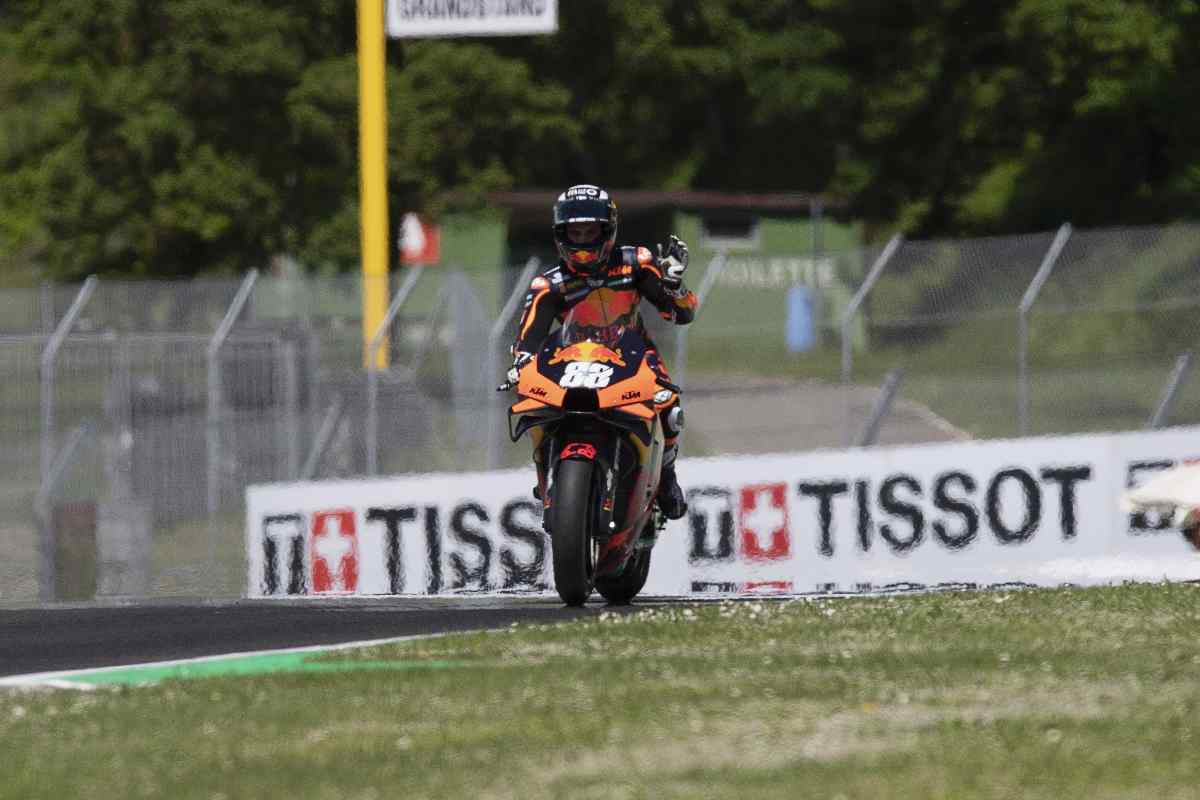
x: 589, y: 402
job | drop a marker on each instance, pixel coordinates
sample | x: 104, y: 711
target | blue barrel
x: 800, y: 328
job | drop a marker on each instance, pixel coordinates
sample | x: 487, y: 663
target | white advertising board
x: 411, y: 18
x: 1033, y: 511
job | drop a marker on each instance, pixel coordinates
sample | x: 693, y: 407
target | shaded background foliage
x: 172, y: 137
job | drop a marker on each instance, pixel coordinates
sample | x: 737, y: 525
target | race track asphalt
x: 85, y: 636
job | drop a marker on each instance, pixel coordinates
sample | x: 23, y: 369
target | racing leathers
x: 631, y: 274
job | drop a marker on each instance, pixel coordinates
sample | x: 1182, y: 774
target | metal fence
x: 134, y: 414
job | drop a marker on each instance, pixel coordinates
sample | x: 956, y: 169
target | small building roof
x: 540, y: 200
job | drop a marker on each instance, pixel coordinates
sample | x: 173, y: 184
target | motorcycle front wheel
x: 571, y: 514
x: 619, y: 589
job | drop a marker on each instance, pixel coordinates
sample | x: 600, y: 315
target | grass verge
x: 1040, y: 693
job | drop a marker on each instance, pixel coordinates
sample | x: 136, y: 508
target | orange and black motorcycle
x: 589, y: 403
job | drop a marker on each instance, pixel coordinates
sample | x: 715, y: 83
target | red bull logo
x: 587, y: 351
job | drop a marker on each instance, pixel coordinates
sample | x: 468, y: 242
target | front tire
x: 571, y: 515
x: 618, y: 590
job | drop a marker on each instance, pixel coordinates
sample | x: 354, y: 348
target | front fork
x: 547, y: 451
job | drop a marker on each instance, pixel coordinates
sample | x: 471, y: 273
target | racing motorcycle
x: 589, y: 402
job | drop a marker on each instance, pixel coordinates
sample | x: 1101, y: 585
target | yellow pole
x: 372, y: 175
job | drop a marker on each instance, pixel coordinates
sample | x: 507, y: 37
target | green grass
x: 1087, y: 693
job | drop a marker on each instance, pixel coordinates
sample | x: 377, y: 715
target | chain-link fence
x: 135, y: 414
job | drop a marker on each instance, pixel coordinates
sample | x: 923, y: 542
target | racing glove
x: 520, y: 359
x: 674, y: 263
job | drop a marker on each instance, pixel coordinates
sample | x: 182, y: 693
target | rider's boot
x: 670, y: 496
x: 537, y: 436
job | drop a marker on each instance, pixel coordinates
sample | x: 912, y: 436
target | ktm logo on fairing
x: 537, y: 391
x: 587, y: 351
x: 631, y: 395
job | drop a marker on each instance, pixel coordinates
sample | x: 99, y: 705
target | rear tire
x: 571, y: 513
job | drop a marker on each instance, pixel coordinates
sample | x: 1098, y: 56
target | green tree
x: 175, y: 137
x: 1109, y: 110
x: 180, y: 136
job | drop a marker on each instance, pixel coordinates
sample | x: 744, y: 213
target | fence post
x: 120, y: 453
x: 882, y: 407
x: 494, y: 362
x: 1031, y: 293
x: 711, y: 274
x: 47, y: 536
x: 317, y: 452
x: 213, y: 428
x: 679, y: 369
x: 371, y: 432
x: 859, y: 297
x: 49, y: 364
x: 816, y: 219
x: 1179, y: 376
x: 290, y: 358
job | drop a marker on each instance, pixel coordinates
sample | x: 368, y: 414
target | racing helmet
x: 585, y: 203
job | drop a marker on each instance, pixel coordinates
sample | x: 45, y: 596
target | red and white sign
x: 334, y: 547
x: 420, y: 241
x: 764, y: 521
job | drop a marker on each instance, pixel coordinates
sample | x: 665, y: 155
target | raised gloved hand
x: 674, y: 262
x: 520, y: 359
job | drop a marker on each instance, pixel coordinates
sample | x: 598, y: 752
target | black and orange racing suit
x: 631, y: 274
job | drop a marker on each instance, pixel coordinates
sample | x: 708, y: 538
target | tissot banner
x: 1035, y: 511
x: 471, y: 17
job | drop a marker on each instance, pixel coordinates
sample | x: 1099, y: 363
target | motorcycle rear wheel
x: 571, y: 515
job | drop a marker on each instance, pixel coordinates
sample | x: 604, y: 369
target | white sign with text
x: 1036, y: 511
x: 413, y: 18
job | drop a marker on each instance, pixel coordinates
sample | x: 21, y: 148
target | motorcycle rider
x: 591, y: 268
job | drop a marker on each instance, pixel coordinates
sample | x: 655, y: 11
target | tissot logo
x: 902, y: 511
x: 905, y: 511
x: 762, y: 518
x: 467, y: 546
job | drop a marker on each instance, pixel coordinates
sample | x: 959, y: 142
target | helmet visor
x: 582, y: 210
